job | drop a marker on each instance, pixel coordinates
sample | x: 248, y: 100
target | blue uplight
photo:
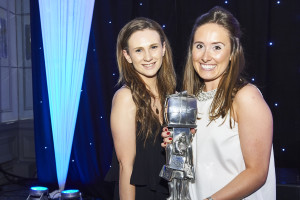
x: 276, y: 104
x: 253, y: 79
x: 270, y: 43
x: 70, y: 194
x: 141, y: 4
x: 278, y: 2
x: 283, y: 149
x: 226, y: 2
x: 39, y: 188
x: 65, y: 58
x: 70, y: 191
x: 164, y: 26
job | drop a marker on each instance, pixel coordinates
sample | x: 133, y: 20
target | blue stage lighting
x: 38, y: 193
x: 71, y: 194
x: 66, y: 29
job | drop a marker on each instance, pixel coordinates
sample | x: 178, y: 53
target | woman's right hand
x: 166, y: 137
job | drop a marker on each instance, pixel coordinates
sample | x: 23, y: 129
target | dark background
x: 275, y: 69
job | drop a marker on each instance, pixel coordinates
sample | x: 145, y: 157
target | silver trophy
x: 180, y: 115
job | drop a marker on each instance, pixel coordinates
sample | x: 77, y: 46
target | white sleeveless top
x: 218, y: 157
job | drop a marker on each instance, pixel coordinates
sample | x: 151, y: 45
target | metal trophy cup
x: 180, y: 115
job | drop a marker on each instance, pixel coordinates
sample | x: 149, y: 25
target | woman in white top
x: 232, y: 148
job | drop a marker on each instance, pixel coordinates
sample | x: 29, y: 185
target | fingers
x: 166, y: 137
x: 165, y: 133
x: 166, y: 141
x: 163, y: 144
x: 193, y: 130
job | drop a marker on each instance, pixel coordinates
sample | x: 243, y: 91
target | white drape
x: 66, y: 28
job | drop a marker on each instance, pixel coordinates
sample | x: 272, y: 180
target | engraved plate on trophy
x: 180, y: 116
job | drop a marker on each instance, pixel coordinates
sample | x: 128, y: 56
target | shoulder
x: 123, y: 107
x: 249, y: 101
x: 123, y: 97
x: 247, y: 95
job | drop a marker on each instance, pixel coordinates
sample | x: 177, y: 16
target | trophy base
x: 179, y: 189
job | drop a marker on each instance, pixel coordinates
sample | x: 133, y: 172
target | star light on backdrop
x: 270, y: 43
x: 66, y: 28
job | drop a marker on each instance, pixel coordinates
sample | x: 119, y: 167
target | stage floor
x: 21, y: 192
x: 288, y: 187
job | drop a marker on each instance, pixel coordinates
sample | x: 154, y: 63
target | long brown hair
x: 166, y: 79
x: 232, y: 79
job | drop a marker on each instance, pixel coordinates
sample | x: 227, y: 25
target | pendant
x: 157, y: 111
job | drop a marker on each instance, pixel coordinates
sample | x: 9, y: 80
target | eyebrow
x: 153, y: 44
x: 212, y: 43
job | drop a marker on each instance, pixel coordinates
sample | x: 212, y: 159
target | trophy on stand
x: 180, y: 115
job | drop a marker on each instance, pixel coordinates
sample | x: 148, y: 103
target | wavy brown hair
x: 232, y: 79
x: 166, y: 79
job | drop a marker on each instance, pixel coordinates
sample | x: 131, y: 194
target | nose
x: 148, y: 56
x: 206, y: 56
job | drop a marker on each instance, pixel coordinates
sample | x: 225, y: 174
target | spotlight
x: 38, y: 193
x: 71, y: 194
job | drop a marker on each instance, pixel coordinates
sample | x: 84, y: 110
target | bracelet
x: 209, y: 198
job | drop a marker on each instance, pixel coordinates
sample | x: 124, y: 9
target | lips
x: 208, y: 66
x: 150, y: 65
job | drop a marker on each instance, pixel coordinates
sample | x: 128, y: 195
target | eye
x: 199, y: 46
x: 138, y: 50
x: 154, y: 47
x: 217, y: 47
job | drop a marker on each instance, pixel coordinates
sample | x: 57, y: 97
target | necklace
x: 203, y: 96
x: 155, y: 106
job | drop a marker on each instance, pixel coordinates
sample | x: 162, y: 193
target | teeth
x: 208, y: 66
x: 148, y: 65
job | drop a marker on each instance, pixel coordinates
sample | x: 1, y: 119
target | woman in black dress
x: 146, y: 72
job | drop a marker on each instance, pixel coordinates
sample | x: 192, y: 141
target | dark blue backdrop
x: 274, y: 68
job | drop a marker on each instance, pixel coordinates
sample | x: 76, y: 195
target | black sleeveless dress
x: 148, y: 162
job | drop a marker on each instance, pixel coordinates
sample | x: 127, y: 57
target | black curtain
x: 275, y: 69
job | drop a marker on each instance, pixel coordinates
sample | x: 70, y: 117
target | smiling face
x: 211, y: 53
x: 145, y: 52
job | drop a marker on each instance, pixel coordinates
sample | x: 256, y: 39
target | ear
x: 164, y: 48
x: 127, y: 56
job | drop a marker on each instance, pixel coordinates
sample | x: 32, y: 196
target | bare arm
x: 123, y: 129
x: 255, y: 126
